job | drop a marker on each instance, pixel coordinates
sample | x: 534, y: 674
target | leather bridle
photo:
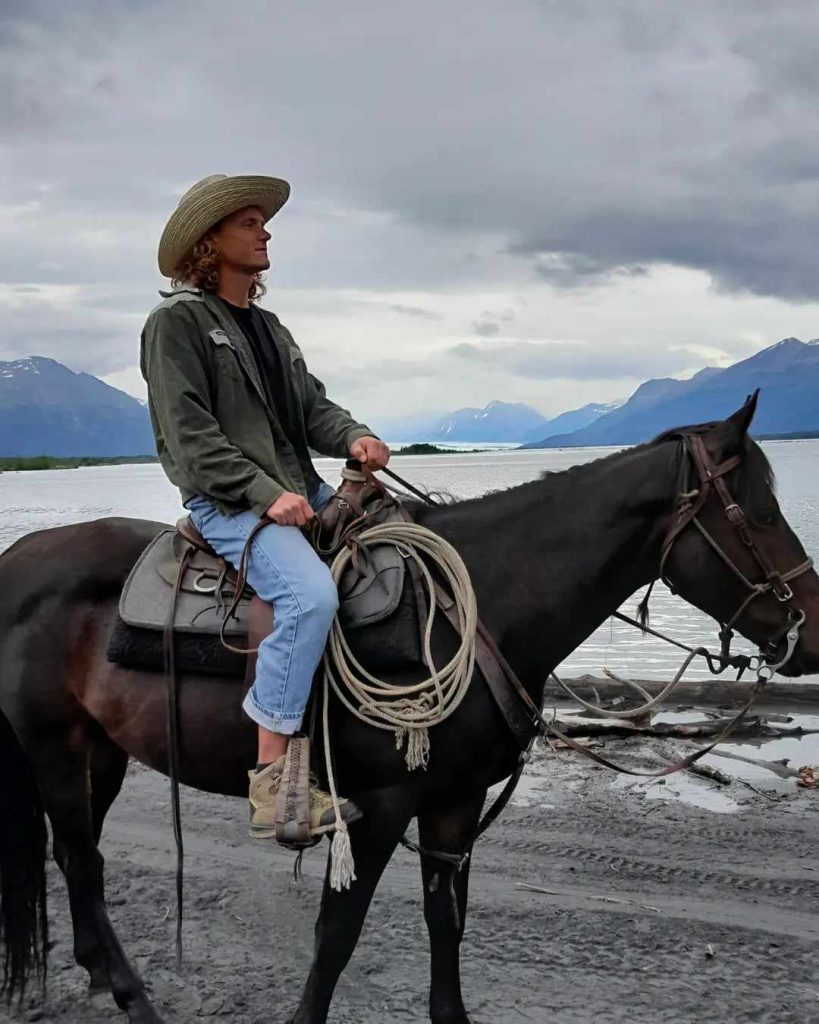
x: 711, y: 477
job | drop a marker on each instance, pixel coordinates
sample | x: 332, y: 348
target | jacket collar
x: 177, y: 291
x: 234, y: 333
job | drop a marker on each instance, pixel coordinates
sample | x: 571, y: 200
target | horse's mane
x: 752, y: 481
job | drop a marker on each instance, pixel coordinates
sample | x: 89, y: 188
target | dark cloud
x: 680, y: 137
x: 573, y: 269
x: 448, y: 148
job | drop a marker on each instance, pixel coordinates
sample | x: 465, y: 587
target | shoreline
x: 30, y: 463
x: 24, y: 463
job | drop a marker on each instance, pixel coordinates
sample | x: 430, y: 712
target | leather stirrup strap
x: 172, y: 739
x: 520, y: 724
x: 293, y: 804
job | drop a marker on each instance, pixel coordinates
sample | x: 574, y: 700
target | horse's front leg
x: 448, y: 831
x: 387, y: 813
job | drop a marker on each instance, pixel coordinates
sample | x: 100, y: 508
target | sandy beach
x: 660, y: 909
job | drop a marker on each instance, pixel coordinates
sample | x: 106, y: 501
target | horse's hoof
x: 457, y: 1017
x: 144, y: 1014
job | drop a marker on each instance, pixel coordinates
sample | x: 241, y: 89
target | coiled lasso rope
x: 409, y: 711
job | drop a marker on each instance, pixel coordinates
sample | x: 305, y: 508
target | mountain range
x: 787, y: 373
x: 47, y: 409
x: 496, y: 422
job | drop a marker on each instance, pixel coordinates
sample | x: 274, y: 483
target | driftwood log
x: 714, y: 692
x: 752, y: 726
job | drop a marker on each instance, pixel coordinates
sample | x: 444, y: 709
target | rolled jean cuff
x: 285, y: 725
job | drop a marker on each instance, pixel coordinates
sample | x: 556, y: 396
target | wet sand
x: 716, y: 920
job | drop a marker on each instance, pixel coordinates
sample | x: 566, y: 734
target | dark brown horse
x: 549, y: 561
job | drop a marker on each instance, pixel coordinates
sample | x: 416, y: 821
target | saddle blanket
x: 374, y: 590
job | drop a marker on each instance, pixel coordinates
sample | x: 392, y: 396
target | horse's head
x: 730, y: 551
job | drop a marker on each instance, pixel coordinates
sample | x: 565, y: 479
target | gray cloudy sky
x: 533, y: 201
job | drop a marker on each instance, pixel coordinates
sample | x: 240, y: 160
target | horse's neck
x: 553, y: 559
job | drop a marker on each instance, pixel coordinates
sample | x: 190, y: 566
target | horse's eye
x: 768, y: 517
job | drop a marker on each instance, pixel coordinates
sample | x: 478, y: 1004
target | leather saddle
x: 179, y: 579
x: 204, y: 600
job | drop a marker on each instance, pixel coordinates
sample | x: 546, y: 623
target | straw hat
x: 207, y: 202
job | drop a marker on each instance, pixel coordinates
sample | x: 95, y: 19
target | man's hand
x: 290, y: 510
x: 370, y: 452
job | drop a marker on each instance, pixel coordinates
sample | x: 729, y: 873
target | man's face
x: 242, y: 241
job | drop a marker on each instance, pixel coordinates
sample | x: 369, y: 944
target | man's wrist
x: 262, y: 492
x: 357, y: 434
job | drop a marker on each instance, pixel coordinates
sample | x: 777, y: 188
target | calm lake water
x: 36, y: 500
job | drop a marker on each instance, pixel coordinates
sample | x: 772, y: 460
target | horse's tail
x: 23, y: 922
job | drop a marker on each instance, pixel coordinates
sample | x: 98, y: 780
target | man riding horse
x: 235, y: 413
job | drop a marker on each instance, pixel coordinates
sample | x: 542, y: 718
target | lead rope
x: 409, y: 711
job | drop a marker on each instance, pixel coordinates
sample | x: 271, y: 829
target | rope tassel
x: 417, y: 746
x: 342, y: 866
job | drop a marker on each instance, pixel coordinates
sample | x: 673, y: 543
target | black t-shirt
x: 275, y: 383
x: 268, y: 363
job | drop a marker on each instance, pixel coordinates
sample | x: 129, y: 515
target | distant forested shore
x: 424, y: 448
x: 17, y: 463
x: 798, y: 435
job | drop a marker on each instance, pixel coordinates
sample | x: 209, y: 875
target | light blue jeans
x: 285, y: 571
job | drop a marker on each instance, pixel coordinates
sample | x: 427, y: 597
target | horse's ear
x: 728, y: 438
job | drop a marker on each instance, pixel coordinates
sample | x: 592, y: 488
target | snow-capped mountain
x: 47, y: 409
x: 787, y: 374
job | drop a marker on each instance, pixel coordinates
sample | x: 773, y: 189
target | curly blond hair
x: 200, y: 267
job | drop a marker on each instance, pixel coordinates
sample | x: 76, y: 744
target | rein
x: 691, y: 502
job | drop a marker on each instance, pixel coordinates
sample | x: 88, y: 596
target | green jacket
x: 215, y: 433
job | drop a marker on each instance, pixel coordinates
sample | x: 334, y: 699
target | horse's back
x: 59, y: 589
x: 72, y: 555
x: 47, y: 574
